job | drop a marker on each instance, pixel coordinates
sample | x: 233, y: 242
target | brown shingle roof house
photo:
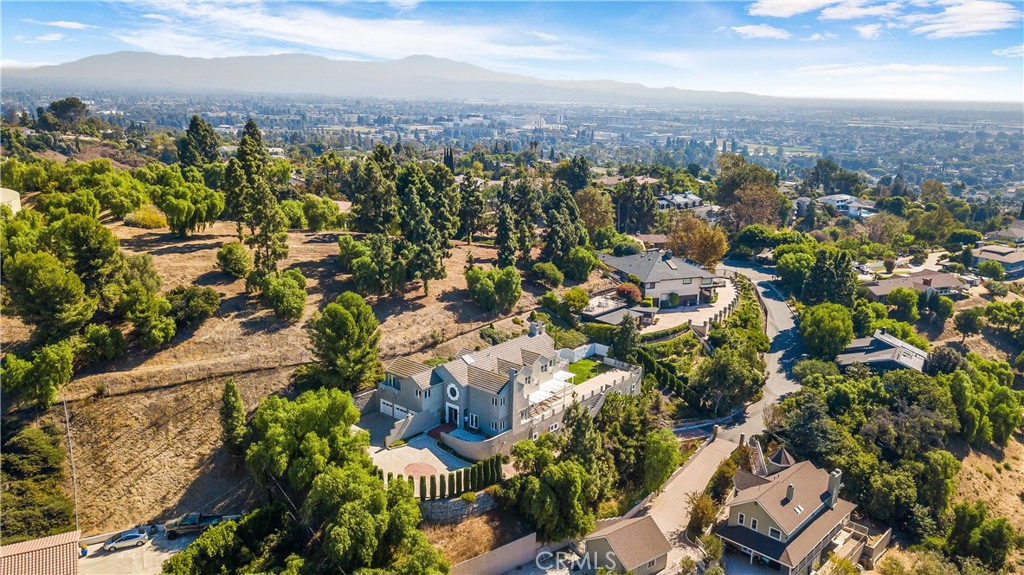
x: 53, y: 555
x: 789, y: 520
x: 631, y: 545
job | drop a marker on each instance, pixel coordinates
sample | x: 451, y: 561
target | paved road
x: 786, y: 349
x: 670, y: 509
x: 144, y: 560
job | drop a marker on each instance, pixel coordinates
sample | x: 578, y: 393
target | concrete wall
x: 455, y: 510
x: 504, y: 558
x: 411, y: 425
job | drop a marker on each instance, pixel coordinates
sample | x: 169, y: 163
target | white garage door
x: 400, y: 412
x: 387, y: 408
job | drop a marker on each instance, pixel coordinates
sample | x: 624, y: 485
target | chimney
x: 834, y: 483
x: 789, y: 492
x: 666, y: 255
x: 536, y: 328
x: 881, y: 330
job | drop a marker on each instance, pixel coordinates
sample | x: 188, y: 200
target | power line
x: 71, y: 453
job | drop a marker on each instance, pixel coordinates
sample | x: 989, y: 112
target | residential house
x: 491, y: 398
x: 924, y: 282
x: 1013, y: 234
x: 53, y: 555
x: 11, y: 199
x: 801, y: 204
x: 682, y: 201
x: 661, y: 275
x: 628, y: 546
x: 848, y: 205
x: 1011, y: 258
x: 882, y: 351
x: 651, y: 241
x: 789, y: 520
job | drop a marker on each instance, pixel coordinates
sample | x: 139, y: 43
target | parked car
x: 131, y: 538
x: 194, y: 523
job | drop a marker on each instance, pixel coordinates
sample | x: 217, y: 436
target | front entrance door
x: 451, y: 414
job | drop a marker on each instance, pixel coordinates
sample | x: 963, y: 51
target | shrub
x: 809, y: 367
x: 192, y: 305
x: 147, y: 217
x: 99, y: 343
x: 647, y: 302
x: 579, y: 263
x: 496, y: 289
x: 321, y: 213
x: 673, y: 299
x: 233, y: 259
x: 468, y: 497
x: 350, y: 251
x: 991, y: 269
x: 296, y: 216
x: 629, y: 292
x: 285, y: 292
x: 997, y: 288
x: 546, y: 274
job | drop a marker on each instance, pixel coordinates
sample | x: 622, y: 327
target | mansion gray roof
x: 488, y: 369
x: 655, y: 266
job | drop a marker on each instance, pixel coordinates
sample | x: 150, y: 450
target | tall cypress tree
x: 199, y: 145
x: 232, y: 418
x: 506, y: 237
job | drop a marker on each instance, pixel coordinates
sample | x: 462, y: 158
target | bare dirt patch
x: 995, y: 476
x: 476, y: 535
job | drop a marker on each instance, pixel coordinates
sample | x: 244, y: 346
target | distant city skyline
x: 911, y: 49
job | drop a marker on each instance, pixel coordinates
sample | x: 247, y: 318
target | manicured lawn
x: 585, y: 369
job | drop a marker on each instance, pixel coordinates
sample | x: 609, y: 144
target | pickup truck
x: 194, y: 523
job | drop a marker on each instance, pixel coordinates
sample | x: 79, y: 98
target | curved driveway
x: 785, y: 349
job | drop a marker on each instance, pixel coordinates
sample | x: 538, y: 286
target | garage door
x: 400, y: 412
x: 387, y: 408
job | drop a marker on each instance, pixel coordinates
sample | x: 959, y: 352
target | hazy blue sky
x: 934, y: 49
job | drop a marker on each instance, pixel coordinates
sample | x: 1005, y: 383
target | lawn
x: 585, y: 369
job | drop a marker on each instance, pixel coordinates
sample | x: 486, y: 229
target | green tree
x: 944, y: 309
x: 496, y: 289
x: 626, y: 338
x: 938, y: 480
x: 149, y: 314
x: 233, y: 259
x: 191, y: 305
x: 575, y: 300
x: 44, y: 294
x: 991, y: 269
x: 974, y: 534
x: 831, y: 279
x: 574, y: 174
x: 88, y: 248
x: 269, y: 225
x: 320, y: 213
x: 344, y: 339
x: 375, y: 202
x: 595, y: 207
x: 232, y: 418
x: 445, y: 202
x: 41, y: 379
x: 199, y: 145
x: 826, y: 329
x: 506, y: 238
x: 188, y: 205
x: 286, y: 293
x: 904, y: 300
x: 299, y: 439
x: 661, y: 457
x: 472, y: 208
x: 969, y: 322
x: 349, y: 506
x: 579, y: 263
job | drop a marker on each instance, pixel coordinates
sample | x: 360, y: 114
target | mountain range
x: 414, y: 77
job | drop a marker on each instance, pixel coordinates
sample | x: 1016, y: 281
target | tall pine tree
x: 505, y: 238
x: 199, y: 145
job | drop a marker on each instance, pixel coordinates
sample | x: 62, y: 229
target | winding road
x: 785, y: 350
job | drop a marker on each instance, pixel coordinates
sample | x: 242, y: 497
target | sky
x: 889, y: 49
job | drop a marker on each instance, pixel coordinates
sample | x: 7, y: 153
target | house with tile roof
x: 488, y: 399
x: 628, y: 546
x: 882, y: 351
x: 662, y: 275
x: 53, y: 555
x: 790, y: 520
x: 924, y: 282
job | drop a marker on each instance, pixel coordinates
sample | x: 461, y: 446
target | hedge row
x: 651, y: 336
x: 664, y: 373
x: 599, y: 332
x: 442, y: 486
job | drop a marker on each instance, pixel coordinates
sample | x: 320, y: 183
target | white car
x: 132, y: 538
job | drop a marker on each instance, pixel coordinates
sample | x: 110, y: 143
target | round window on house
x: 453, y: 391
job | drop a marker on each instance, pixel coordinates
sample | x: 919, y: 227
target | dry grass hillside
x: 145, y: 427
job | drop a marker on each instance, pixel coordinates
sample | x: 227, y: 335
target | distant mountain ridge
x: 414, y: 77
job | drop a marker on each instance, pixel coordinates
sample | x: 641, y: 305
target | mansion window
x: 474, y: 422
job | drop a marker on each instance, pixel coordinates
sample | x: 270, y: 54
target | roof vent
x: 799, y: 509
x: 666, y: 255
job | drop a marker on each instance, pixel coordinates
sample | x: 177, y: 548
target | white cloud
x: 543, y: 36
x: 893, y: 70
x: 1011, y: 52
x: 11, y: 63
x: 159, y: 17
x: 853, y: 9
x: 869, y: 31
x: 66, y: 24
x: 819, y: 36
x: 959, y: 19
x: 760, y: 31
x: 207, y: 29
x: 785, y: 8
